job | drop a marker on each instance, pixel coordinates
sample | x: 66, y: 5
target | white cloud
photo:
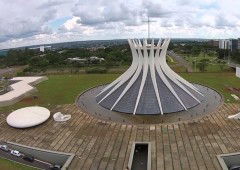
x: 71, y: 23
x: 28, y: 23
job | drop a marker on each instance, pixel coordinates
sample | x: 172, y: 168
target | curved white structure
x: 22, y: 88
x: 28, y: 117
x: 149, y: 86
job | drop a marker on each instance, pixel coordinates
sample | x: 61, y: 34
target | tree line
x: 37, y: 61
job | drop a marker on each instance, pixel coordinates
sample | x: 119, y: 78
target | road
x: 181, y: 61
x: 36, y: 163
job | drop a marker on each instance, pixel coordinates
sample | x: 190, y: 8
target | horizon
x: 38, y: 45
x: 59, y: 21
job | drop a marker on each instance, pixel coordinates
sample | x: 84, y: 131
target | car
x: 4, y: 148
x: 16, y: 153
x: 55, y: 167
x: 235, y: 168
x: 28, y: 158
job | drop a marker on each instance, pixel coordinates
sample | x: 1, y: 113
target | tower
x: 149, y: 86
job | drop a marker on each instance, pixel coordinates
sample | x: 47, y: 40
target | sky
x: 34, y: 22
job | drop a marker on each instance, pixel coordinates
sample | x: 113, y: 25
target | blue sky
x: 51, y: 21
x: 57, y: 23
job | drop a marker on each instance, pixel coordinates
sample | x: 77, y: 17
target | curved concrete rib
x: 164, y: 79
x: 133, y: 79
x: 164, y: 62
x: 125, y: 73
x: 172, y: 78
x: 127, y: 76
x: 169, y: 73
x: 153, y: 76
x: 180, y: 79
x: 145, y: 71
x: 168, y: 70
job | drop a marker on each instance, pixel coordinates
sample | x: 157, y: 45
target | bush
x: 92, y: 70
x: 30, y: 69
x: 20, y: 74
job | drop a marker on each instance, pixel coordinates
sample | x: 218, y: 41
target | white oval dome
x: 28, y: 117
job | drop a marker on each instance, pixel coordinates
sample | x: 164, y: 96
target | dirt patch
x: 233, y: 90
x: 30, y: 100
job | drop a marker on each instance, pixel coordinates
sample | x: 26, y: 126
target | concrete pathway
x: 23, y: 87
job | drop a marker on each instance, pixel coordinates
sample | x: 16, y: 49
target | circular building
x: 149, y: 86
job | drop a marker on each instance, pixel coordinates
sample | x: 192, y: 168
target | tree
x: 202, y: 64
x: 39, y: 62
x: 223, y: 53
x: 235, y: 56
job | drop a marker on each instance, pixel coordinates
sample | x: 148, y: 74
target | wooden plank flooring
x: 107, y: 145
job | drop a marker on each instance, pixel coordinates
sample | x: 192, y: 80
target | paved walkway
x: 21, y: 88
x: 107, y: 145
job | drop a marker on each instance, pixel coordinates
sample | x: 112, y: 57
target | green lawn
x: 218, y: 81
x: 213, y: 65
x: 217, y: 68
x: 63, y: 89
x: 10, y: 165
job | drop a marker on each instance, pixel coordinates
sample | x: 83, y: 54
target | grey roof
x: 148, y: 101
x: 149, y: 86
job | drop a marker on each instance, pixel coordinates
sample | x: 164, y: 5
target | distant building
x: 214, y: 43
x: 234, y: 44
x: 42, y: 49
x: 231, y: 44
x: 77, y: 59
x: 96, y: 48
x: 224, y: 44
x: 238, y: 43
x: 94, y: 58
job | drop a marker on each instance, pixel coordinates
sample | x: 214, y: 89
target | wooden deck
x: 104, y: 145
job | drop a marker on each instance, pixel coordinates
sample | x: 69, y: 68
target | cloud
x: 52, y: 3
x: 156, y: 10
x: 65, y: 20
x: 95, y: 13
x: 22, y: 20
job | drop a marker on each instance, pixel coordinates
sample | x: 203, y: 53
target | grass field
x: 10, y: 165
x: 218, y: 81
x: 213, y: 65
x: 63, y: 89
